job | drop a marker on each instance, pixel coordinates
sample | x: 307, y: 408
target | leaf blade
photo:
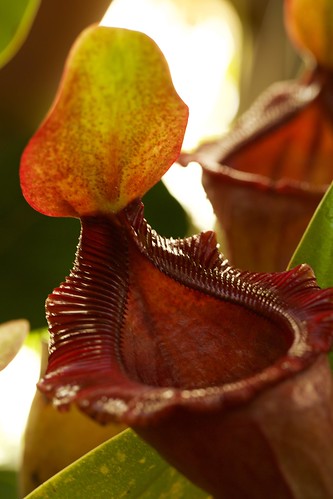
x: 316, y: 245
x: 137, y: 471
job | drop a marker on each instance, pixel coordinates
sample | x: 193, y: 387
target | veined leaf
x: 122, y: 467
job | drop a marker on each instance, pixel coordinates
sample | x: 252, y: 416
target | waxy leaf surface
x: 122, y: 467
x: 116, y: 126
x: 316, y: 246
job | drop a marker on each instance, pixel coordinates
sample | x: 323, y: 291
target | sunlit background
x: 203, y: 42
x: 17, y: 388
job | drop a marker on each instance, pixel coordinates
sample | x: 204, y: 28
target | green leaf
x: 16, y: 18
x: 122, y: 467
x: 316, y: 246
x: 12, y: 335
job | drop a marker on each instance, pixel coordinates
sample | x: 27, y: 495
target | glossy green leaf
x: 122, y: 467
x: 316, y: 246
x: 16, y: 18
x: 12, y: 336
x: 116, y: 127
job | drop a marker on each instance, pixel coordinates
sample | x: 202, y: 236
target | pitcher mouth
x: 282, y: 143
x: 140, y: 328
x: 139, y: 404
x: 283, y: 186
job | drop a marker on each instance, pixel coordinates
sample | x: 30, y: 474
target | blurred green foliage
x: 36, y: 252
x: 164, y: 213
x: 16, y: 17
x: 8, y: 484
